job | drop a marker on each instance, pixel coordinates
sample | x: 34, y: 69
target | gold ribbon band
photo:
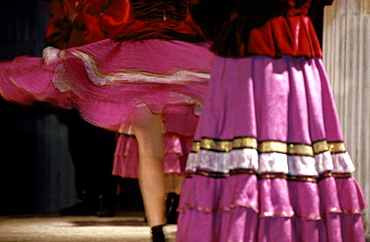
x: 268, y: 146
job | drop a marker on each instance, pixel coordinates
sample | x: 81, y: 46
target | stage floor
x: 127, y: 226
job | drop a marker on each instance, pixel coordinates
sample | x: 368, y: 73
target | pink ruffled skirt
x: 107, y: 80
x: 268, y: 161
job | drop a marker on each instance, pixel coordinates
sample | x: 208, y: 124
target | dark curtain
x: 36, y: 172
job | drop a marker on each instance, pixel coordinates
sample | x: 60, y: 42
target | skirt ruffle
x: 126, y: 157
x: 108, y: 80
x: 28, y: 79
x: 268, y: 160
x: 245, y: 208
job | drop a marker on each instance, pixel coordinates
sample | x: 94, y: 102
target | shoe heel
x: 157, y: 234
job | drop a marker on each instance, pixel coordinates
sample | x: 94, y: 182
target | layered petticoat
x: 268, y: 162
x: 126, y: 156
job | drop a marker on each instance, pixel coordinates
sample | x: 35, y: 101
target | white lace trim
x: 269, y: 162
x: 50, y: 54
x: 59, y: 79
x: 221, y: 161
x: 342, y: 163
x: 101, y: 79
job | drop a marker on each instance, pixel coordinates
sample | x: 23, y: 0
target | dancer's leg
x: 177, y: 182
x: 148, y: 130
x: 174, y: 183
x: 169, y: 184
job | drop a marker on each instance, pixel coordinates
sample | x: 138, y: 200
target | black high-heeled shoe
x: 157, y: 234
x: 172, y: 202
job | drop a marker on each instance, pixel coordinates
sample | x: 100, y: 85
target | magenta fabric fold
x: 126, y: 157
x: 242, y: 208
x: 285, y: 99
x: 28, y: 79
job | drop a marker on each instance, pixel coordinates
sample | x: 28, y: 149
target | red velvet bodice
x: 268, y: 27
x: 160, y: 19
x: 79, y: 22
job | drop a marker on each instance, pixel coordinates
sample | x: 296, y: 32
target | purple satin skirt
x: 268, y: 161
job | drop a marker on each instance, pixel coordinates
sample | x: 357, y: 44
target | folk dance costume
x: 179, y: 124
x: 176, y: 151
x: 126, y: 154
x: 159, y: 59
x: 268, y: 161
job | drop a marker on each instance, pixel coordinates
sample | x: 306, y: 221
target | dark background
x: 36, y: 171
x: 25, y: 176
